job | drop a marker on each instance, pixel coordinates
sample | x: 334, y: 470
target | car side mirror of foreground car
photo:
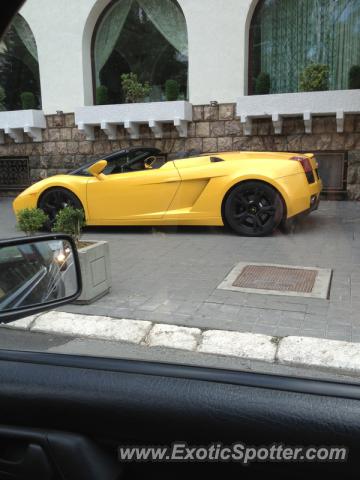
x: 37, y: 274
x: 97, y: 168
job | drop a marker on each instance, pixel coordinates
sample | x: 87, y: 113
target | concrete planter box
x: 95, y: 271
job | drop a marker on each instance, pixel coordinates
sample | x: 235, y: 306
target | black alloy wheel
x: 253, y: 209
x: 54, y: 200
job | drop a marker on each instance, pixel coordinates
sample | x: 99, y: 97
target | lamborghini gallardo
x: 251, y: 192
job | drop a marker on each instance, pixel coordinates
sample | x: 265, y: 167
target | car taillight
x: 305, y: 162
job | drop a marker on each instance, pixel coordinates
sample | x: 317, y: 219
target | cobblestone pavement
x: 170, y: 275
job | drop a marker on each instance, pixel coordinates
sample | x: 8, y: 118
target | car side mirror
x: 97, y: 168
x: 37, y: 274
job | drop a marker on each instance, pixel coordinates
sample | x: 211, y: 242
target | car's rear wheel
x: 54, y: 200
x: 253, y: 209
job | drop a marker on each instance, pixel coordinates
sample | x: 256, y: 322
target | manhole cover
x: 271, y: 279
x: 276, y: 278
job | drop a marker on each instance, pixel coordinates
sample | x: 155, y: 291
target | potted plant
x: 134, y: 90
x: 28, y: 101
x: 314, y: 78
x: 31, y: 220
x: 262, y: 84
x: 354, y: 77
x: 2, y: 98
x: 171, y: 90
x: 102, y: 95
x: 94, y: 256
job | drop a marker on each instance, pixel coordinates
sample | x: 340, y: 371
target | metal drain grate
x: 282, y: 279
x: 275, y: 279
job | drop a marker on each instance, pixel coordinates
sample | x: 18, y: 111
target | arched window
x: 19, y: 68
x: 288, y: 35
x: 145, y: 37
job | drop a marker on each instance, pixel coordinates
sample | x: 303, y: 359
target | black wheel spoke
x: 242, y: 200
x: 268, y: 209
x: 254, y: 209
x: 257, y: 196
x: 258, y: 226
x: 240, y: 217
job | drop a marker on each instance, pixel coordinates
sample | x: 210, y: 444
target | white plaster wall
x: 58, y: 29
x: 217, y: 36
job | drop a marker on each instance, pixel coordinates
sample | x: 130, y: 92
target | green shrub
x: 314, y: 78
x: 172, y: 90
x: 102, y: 96
x: 27, y: 100
x: 134, y: 90
x: 2, y: 98
x: 262, y: 84
x: 31, y: 220
x: 354, y: 77
x: 70, y: 220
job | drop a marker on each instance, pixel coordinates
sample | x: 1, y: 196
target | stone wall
x: 213, y: 129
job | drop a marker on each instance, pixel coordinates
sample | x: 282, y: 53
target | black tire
x: 288, y: 225
x: 54, y: 200
x: 253, y: 209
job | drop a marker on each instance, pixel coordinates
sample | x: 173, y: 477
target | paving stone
x: 92, y: 326
x: 244, y: 345
x: 173, y: 336
x: 320, y: 353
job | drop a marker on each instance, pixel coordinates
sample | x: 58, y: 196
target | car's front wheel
x: 253, y: 209
x: 54, y: 200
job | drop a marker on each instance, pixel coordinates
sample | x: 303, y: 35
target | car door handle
x: 52, y: 455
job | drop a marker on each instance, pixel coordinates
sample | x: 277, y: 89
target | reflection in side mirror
x: 36, y: 274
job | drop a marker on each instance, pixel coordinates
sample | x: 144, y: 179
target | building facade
x: 221, y: 75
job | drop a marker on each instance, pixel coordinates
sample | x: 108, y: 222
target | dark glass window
x: 19, y: 67
x: 288, y: 35
x: 145, y: 37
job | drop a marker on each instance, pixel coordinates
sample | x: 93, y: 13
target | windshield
x: 116, y: 161
x: 220, y: 225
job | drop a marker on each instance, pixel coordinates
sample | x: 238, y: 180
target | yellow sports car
x: 252, y: 192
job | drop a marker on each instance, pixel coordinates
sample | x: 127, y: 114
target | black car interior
x: 127, y: 160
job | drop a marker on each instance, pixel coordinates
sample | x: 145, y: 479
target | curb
x: 304, y: 352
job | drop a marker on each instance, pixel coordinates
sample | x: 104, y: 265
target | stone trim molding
x: 17, y: 122
x: 305, y: 104
x: 131, y: 116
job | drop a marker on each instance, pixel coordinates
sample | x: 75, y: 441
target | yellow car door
x: 132, y: 198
